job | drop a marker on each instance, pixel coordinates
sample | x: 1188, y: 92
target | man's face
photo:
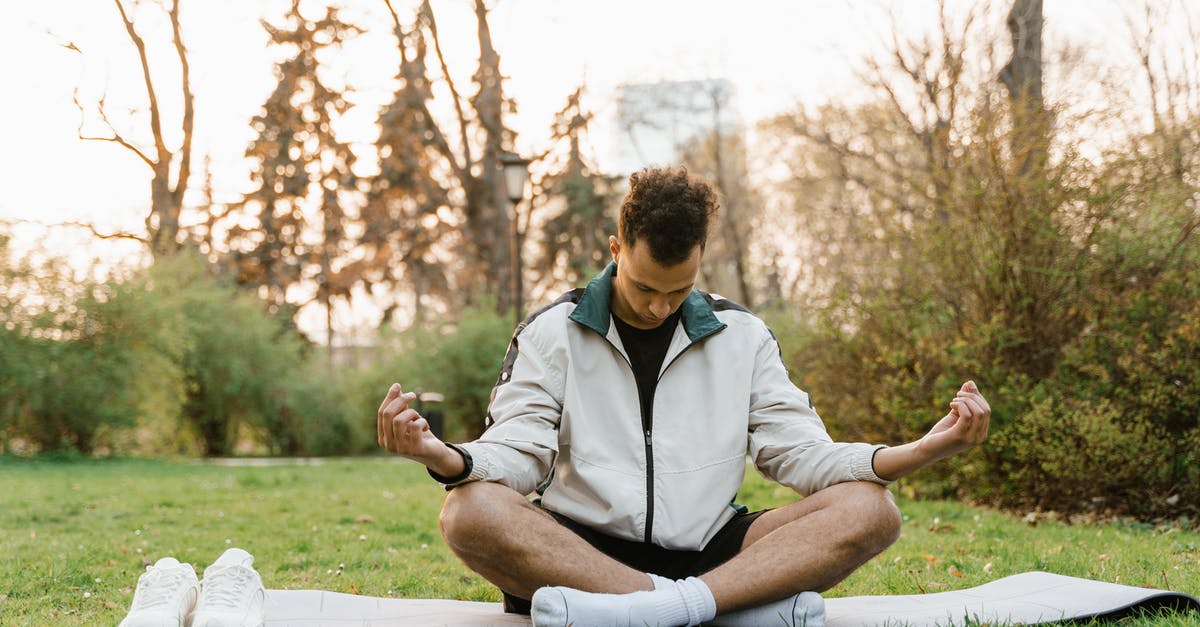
x: 645, y: 292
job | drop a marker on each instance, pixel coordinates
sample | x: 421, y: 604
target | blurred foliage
x: 81, y: 358
x: 935, y: 229
x: 940, y: 250
x: 170, y: 359
x: 459, y: 360
x: 1117, y: 429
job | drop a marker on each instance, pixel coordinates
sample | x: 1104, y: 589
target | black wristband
x: 468, y: 466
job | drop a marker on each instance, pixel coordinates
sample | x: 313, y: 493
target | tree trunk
x: 1022, y: 77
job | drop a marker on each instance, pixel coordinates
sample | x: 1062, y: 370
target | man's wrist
x: 892, y: 463
x: 454, y: 465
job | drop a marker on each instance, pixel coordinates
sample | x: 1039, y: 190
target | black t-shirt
x: 646, y: 349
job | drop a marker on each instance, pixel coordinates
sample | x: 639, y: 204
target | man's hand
x: 404, y: 432
x: 965, y: 427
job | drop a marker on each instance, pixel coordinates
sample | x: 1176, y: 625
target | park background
x: 226, y: 227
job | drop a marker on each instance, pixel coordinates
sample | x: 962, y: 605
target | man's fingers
x: 402, y: 425
x: 398, y: 404
x: 392, y: 393
x: 973, y: 404
x: 380, y: 420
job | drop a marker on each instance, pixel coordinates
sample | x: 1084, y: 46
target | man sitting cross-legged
x: 629, y: 406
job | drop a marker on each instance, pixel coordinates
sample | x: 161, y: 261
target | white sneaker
x: 231, y: 594
x: 165, y: 595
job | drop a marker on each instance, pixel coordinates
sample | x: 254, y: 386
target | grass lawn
x: 74, y: 536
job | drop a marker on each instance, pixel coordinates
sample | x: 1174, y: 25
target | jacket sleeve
x: 788, y: 441
x: 519, y: 448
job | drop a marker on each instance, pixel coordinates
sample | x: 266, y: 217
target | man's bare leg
x: 809, y: 545
x: 520, y: 548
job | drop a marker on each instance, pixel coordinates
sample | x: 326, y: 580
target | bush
x: 249, y: 373
x: 460, y: 360
x: 83, y: 361
x: 167, y: 359
x: 1118, y: 428
x: 318, y: 417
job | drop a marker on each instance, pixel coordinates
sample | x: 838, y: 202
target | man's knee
x: 876, y: 516
x: 471, y: 510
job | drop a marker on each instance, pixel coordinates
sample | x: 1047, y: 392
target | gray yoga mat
x: 1028, y: 598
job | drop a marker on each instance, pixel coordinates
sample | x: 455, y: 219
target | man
x: 629, y: 406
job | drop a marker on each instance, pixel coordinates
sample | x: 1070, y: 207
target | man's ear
x: 614, y: 247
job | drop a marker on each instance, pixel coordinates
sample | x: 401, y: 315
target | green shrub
x: 459, y: 360
x: 1117, y: 428
x: 84, y: 360
x: 246, y: 372
x: 318, y: 417
x: 173, y: 358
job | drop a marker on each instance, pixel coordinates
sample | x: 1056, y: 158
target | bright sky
x: 777, y: 53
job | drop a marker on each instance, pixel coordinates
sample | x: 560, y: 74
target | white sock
x: 683, y: 602
x: 806, y: 609
x: 660, y: 582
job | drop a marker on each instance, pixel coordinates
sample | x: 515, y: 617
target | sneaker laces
x: 158, y: 587
x: 227, y: 586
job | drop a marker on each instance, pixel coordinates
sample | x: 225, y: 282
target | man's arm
x: 965, y: 427
x: 401, y: 430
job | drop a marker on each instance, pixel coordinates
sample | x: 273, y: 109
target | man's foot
x: 806, y: 609
x: 682, y: 602
x: 232, y: 593
x: 165, y: 595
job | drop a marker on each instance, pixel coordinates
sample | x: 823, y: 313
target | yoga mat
x: 1028, y: 598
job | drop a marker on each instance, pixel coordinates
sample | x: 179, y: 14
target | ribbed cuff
x: 468, y: 466
x: 863, y: 469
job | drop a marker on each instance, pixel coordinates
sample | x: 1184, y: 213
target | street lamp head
x: 516, y: 174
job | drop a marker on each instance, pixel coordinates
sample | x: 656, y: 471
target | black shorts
x: 655, y: 559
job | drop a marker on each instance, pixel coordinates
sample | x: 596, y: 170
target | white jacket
x: 565, y: 420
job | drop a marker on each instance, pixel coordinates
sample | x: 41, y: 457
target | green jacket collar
x: 595, y: 306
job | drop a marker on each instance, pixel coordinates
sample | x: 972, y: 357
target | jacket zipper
x: 648, y: 432
x: 648, y: 428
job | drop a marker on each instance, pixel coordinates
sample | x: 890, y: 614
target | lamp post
x: 516, y: 175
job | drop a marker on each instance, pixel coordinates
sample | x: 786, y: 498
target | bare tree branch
x: 185, y: 150
x: 458, y: 110
x: 82, y: 225
x: 116, y: 137
x: 439, y: 139
x: 155, y: 121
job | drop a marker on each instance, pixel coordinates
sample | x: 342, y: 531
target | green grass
x: 74, y: 536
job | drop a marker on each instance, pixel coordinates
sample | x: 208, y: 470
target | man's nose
x: 660, y: 308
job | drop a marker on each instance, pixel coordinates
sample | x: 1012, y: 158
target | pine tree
x: 302, y: 205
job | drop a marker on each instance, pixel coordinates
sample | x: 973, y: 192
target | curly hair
x: 670, y: 209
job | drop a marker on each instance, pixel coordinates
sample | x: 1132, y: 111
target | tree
x: 954, y: 227
x: 303, y: 173
x: 473, y: 171
x: 720, y: 155
x: 1022, y: 77
x: 406, y: 216
x: 574, y: 242
x: 171, y: 168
